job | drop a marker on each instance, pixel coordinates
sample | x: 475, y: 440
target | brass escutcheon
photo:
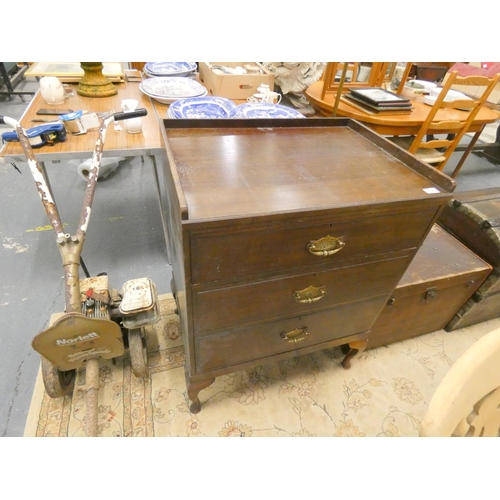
x: 310, y: 294
x: 326, y: 246
x: 295, y: 336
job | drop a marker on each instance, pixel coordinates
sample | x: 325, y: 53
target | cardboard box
x: 233, y: 86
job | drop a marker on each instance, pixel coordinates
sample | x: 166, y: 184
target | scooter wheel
x: 138, y: 353
x: 57, y: 383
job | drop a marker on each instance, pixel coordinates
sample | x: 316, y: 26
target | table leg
x: 162, y: 211
x: 466, y: 152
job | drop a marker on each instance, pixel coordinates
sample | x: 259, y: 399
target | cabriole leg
x: 353, y: 349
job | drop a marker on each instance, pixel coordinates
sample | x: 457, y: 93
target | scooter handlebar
x: 130, y: 114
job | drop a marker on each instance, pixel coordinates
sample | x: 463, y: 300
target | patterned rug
x: 385, y: 393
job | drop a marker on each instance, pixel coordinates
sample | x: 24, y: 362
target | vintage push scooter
x: 98, y: 321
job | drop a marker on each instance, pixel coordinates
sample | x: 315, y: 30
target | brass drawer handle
x: 295, y: 336
x: 310, y: 294
x: 326, y: 246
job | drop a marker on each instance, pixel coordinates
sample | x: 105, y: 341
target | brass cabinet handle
x: 309, y: 294
x: 326, y: 246
x: 295, y: 336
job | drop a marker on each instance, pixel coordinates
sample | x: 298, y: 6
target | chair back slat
x: 470, y: 106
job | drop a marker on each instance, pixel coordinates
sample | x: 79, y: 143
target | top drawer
x: 248, y: 253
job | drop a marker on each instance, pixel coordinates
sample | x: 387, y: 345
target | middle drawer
x: 248, y: 303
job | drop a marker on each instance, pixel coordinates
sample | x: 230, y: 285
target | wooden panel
x: 137, y: 65
x: 256, y: 343
x: 477, y: 225
x: 441, y: 278
x: 275, y: 248
x: 473, y: 312
x: 253, y: 195
x: 442, y: 257
x: 216, y: 310
x: 236, y: 172
x: 412, y: 314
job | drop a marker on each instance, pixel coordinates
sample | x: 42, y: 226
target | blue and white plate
x: 168, y: 89
x: 170, y: 68
x: 264, y: 110
x: 202, y: 107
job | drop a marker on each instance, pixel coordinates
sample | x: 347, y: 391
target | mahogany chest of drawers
x: 287, y: 236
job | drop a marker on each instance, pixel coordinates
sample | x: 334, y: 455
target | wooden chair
x: 379, y: 73
x: 331, y: 79
x: 437, y: 152
x: 467, y: 401
x: 335, y: 81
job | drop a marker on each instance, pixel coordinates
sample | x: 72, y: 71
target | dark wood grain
x: 248, y: 196
x: 441, y: 278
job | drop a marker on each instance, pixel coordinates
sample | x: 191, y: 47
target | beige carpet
x: 385, y: 393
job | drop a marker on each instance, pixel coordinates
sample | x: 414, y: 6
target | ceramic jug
x: 131, y: 125
x: 273, y: 97
x: 263, y: 89
x: 52, y: 90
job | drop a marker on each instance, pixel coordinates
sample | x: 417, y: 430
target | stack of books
x: 378, y: 101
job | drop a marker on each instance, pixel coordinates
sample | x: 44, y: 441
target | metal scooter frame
x: 60, y: 383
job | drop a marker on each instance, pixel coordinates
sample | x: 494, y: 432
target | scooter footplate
x: 74, y: 338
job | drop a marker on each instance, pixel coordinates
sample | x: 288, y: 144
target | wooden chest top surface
x: 232, y: 172
x: 442, y: 257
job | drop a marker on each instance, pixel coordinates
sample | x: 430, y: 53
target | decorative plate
x: 202, y: 107
x: 264, y: 110
x: 169, y: 68
x: 170, y: 100
x: 451, y: 95
x: 171, y: 87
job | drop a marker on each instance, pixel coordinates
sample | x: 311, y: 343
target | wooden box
x: 287, y: 236
x: 439, y: 281
x: 473, y: 217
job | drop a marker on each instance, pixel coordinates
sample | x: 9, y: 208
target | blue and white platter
x: 167, y: 89
x: 170, y: 68
x: 201, y: 107
x: 264, y: 110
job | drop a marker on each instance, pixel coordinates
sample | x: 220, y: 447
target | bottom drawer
x: 265, y: 340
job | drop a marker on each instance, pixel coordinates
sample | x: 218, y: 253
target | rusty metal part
x: 40, y: 181
x: 92, y: 390
x: 70, y: 247
x: 138, y: 353
x: 57, y: 383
